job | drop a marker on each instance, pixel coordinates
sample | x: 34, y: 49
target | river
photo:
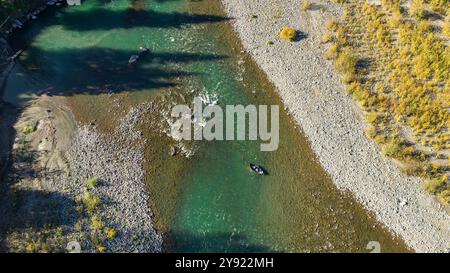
x: 210, y: 202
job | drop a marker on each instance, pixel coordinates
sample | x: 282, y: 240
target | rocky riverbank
x: 43, y: 199
x: 311, y: 90
x: 120, y: 175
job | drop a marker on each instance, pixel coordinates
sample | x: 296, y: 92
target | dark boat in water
x: 258, y: 169
x: 141, y: 51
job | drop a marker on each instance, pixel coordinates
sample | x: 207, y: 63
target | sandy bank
x: 311, y: 90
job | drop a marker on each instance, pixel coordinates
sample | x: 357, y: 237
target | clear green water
x: 211, y: 202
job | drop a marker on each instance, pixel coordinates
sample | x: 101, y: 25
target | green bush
x: 91, y: 202
x: 91, y: 183
x: 393, y: 149
x: 346, y: 64
x: 28, y: 129
x: 96, y: 223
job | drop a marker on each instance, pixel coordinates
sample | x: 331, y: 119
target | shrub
x: 393, y: 149
x: 332, y: 24
x: 346, y: 63
x: 101, y: 248
x: 444, y: 196
x: 372, y: 117
x: 96, y: 223
x: 331, y: 52
x: 341, y: 39
x: 414, y: 168
x: 111, y: 233
x: 434, y: 185
x: 91, y: 202
x: 28, y: 129
x: 32, y: 248
x: 371, y: 132
x: 288, y: 34
x: 326, y: 38
x: 91, y: 183
x: 306, y: 5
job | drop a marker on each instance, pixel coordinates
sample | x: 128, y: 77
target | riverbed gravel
x: 312, y: 92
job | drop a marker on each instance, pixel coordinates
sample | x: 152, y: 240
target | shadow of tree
x: 37, y: 210
x: 131, y: 18
x: 99, y: 70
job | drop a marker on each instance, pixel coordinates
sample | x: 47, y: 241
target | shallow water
x: 211, y: 202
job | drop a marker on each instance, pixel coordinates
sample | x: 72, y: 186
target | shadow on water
x: 215, y: 242
x: 98, y: 70
x: 131, y: 19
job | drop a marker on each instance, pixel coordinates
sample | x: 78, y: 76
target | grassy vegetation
x: 49, y: 239
x: 402, y: 83
x: 435, y: 185
x: 288, y: 34
x: 440, y: 6
x: 417, y: 9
